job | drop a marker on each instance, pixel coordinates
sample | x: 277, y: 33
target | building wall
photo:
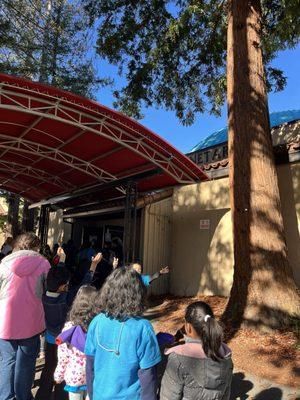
x: 157, y: 227
x: 202, y: 259
x: 289, y: 187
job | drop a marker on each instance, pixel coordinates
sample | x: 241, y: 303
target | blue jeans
x: 17, y: 367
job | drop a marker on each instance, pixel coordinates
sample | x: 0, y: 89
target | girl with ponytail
x: 200, y: 369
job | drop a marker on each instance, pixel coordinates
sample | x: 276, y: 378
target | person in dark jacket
x: 200, y: 369
x: 57, y: 302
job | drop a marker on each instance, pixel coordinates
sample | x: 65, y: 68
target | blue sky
x: 184, y: 138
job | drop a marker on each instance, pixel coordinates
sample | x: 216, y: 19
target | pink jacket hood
x: 22, y: 284
x: 195, y: 350
x: 24, y: 262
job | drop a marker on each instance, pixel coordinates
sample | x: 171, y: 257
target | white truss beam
x: 95, y: 121
x: 42, y: 176
x: 25, y: 146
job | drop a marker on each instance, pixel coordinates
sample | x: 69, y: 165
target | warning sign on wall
x: 204, y: 224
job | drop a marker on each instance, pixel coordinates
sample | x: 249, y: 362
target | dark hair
x: 208, y: 329
x: 57, y: 276
x: 27, y: 241
x: 83, y: 308
x: 123, y: 295
x: 46, y: 251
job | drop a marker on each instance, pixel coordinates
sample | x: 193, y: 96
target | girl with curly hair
x: 121, y: 348
x: 71, y: 359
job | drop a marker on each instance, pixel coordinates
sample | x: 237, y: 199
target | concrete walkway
x: 244, y: 387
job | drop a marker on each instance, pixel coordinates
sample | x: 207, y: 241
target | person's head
x: 27, y: 241
x: 123, y: 295
x: 46, y: 251
x: 83, y: 308
x: 85, y: 245
x: 9, y: 241
x: 137, y: 267
x: 107, y: 244
x: 200, y: 323
x: 57, y: 280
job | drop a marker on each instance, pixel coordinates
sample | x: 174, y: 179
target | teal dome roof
x: 221, y: 136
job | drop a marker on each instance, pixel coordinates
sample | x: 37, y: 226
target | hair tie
x: 207, y: 316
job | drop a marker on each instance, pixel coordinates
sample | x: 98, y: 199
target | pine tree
x: 49, y: 41
x: 175, y: 54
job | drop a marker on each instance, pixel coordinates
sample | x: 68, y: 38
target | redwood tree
x: 263, y: 291
x: 174, y: 54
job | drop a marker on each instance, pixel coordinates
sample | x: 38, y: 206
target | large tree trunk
x: 264, y: 293
x: 12, y: 227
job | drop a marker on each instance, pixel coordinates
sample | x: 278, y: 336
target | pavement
x: 244, y: 387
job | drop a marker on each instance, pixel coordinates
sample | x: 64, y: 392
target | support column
x: 130, y: 222
x: 44, y: 224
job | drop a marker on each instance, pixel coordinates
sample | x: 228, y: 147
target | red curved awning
x: 53, y: 142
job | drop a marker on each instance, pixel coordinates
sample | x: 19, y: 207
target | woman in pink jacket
x: 22, y: 278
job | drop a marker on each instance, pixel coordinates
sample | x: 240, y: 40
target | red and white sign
x: 204, y: 224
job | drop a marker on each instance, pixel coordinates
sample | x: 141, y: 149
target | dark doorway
x: 93, y: 235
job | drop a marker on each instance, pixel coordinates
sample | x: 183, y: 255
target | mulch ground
x: 274, y: 356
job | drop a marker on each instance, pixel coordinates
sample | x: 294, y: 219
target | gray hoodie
x: 190, y: 375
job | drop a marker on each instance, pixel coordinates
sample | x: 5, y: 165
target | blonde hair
x: 137, y: 267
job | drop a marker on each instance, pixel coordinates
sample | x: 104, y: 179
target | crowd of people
x: 89, y: 308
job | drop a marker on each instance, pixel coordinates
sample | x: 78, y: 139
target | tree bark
x: 56, y: 36
x: 264, y: 293
x: 27, y: 218
x: 12, y: 227
x: 44, y: 60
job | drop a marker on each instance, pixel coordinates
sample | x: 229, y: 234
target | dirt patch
x: 274, y: 356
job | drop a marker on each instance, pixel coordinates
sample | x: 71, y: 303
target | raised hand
x: 95, y: 261
x: 164, y: 270
x: 61, y: 254
x: 115, y: 263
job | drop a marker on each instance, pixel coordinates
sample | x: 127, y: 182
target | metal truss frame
x: 44, y: 177
x: 91, y: 120
x: 36, y: 149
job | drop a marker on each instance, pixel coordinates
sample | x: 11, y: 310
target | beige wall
x: 289, y: 186
x: 156, y: 227
x: 202, y: 260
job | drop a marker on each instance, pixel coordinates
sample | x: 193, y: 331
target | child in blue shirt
x: 121, y: 347
x: 148, y: 279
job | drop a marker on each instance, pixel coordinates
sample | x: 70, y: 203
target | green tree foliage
x: 173, y: 53
x: 48, y: 41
